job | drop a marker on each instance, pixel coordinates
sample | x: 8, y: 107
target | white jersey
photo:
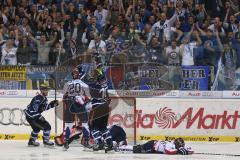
x: 164, y: 28
x: 187, y: 53
x: 76, y: 87
x: 101, y: 16
x: 99, y: 47
x: 167, y: 147
x: 164, y: 146
x: 9, y: 56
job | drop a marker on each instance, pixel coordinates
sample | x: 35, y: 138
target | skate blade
x: 65, y: 149
x: 110, y: 151
x: 33, y: 146
x: 47, y: 146
x: 99, y: 152
x: 87, y: 149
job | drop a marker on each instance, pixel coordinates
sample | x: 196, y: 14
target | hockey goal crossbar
x: 218, y: 154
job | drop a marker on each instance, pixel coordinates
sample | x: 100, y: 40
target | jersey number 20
x: 75, y: 88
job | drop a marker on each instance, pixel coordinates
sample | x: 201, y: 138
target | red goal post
x: 123, y: 113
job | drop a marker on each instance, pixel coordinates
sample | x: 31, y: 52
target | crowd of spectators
x: 169, y: 32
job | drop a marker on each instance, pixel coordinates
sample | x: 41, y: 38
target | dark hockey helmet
x: 179, y: 142
x: 101, y: 79
x: 82, y: 73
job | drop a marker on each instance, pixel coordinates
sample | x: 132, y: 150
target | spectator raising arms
x: 43, y: 48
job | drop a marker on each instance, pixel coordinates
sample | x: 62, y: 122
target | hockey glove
x: 182, y: 151
x: 54, y: 103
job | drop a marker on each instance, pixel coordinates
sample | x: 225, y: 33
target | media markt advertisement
x: 200, y: 120
x: 17, y: 73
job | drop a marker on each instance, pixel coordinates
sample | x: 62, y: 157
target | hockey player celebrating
x: 76, y: 96
x: 98, y: 113
x: 33, y: 115
x: 76, y: 92
x: 164, y: 147
x: 98, y: 117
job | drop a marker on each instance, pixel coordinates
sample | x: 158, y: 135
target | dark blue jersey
x: 38, y: 104
x: 118, y: 134
x: 98, y: 90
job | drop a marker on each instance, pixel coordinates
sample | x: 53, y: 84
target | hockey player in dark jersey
x: 98, y: 117
x: 33, y: 115
x: 117, y: 133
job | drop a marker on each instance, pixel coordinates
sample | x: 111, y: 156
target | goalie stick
x: 218, y: 154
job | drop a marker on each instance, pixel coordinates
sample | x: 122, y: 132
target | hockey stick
x: 219, y: 154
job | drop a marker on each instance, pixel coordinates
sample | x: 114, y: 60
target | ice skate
x: 86, y: 144
x: 33, y: 143
x: 48, y: 144
x: 98, y: 147
x: 65, y: 146
x: 109, y: 148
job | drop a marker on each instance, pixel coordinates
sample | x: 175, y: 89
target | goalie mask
x: 179, y: 142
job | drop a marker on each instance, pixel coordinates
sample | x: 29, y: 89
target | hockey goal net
x: 122, y: 113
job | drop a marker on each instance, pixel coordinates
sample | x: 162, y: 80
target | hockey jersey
x: 160, y: 28
x: 76, y: 87
x: 38, y: 104
x: 167, y: 147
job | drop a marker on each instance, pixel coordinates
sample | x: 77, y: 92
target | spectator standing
x: 228, y: 60
x: 101, y: 15
x: 24, y: 52
x: 9, y: 53
x: 188, y: 47
x: 43, y: 48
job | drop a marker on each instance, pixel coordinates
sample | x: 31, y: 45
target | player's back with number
x: 76, y: 87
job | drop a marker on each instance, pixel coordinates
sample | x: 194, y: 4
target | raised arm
x: 219, y: 41
x: 200, y: 30
x: 32, y: 38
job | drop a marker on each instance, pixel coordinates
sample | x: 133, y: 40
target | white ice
x: 18, y: 150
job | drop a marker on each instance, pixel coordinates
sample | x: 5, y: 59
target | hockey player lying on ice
x: 120, y: 143
x: 117, y: 133
x: 164, y: 147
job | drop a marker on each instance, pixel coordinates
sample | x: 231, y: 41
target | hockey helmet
x: 82, y: 73
x: 44, y: 86
x: 179, y: 142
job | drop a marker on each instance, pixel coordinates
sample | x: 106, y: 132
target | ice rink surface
x: 18, y: 150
